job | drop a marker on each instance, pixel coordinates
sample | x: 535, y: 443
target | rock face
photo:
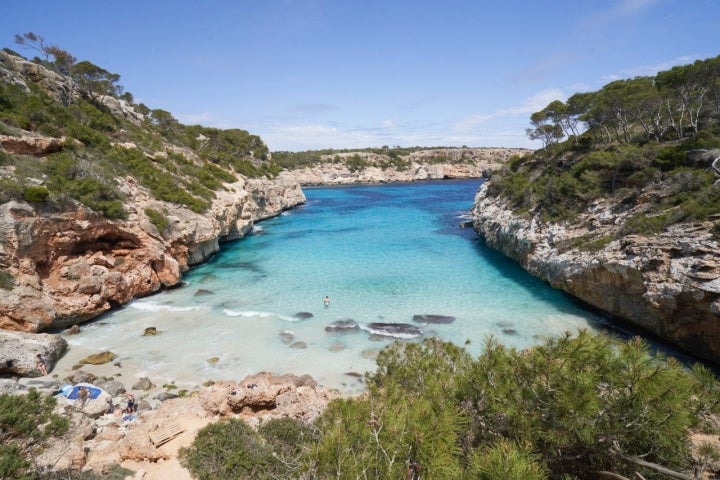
x: 264, y: 394
x: 18, y: 352
x: 431, y: 164
x: 68, y: 267
x: 667, y: 284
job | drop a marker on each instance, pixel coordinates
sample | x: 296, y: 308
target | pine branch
x: 653, y: 466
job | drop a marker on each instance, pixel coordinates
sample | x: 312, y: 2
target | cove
x: 392, y: 258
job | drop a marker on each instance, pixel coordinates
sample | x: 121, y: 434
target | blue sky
x: 312, y: 74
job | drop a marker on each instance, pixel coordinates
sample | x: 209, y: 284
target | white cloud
x: 387, y: 123
x: 650, y: 70
x: 196, y: 118
x: 530, y: 105
x: 318, y: 136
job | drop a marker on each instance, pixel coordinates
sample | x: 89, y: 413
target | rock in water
x: 98, y: 358
x: 435, y: 319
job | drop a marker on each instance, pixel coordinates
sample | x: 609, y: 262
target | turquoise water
x: 381, y: 253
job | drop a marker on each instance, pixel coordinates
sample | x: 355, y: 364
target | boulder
x: 143, y: 384
x: 98, y: 358
x: 18, y: 352
x: 113, y: 387
x: 149, y: 331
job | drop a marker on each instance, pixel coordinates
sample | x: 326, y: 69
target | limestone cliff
x: 430, y: 164
x: 667, y: 284
x: 74, y: 265
x: 69, y: 148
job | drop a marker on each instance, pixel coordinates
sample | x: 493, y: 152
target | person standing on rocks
x: 131, y: 406
x: 41, y: 365
x: 82, y: 397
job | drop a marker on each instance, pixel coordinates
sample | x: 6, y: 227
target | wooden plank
x: 160, y: 437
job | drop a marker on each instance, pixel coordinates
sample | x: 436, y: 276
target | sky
x: 316, y: 74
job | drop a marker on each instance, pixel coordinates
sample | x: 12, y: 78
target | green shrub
x: 36, y: 194
x: 289, y: 440
x: 25, y: 421
x: 573, y: 397
x: 228, y: 449
x: 644, y: 224
x: 505, y: 460
x: 158, y: 219
x: 7, y: 281
x: 355, y: 163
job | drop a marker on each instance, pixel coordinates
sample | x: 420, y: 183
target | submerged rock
x: 342, y: 326
x: 299, y: 345
x: 397, y: 330
x: 303, y: 315
x: 428, y: 318
x: 286, y: 336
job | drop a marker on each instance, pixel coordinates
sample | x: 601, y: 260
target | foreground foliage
x: 25, y: 422
x: 572, y: 407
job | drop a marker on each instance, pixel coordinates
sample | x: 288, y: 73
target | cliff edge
x: 666, y: 283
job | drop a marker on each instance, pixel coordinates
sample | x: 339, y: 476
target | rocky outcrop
x: 18, y: 352
x: 17, y: 71
x: 431, y: 164
x: 29, y: 145
x: 68, y: 267
x: 667, y: 284
x: 267, y: 395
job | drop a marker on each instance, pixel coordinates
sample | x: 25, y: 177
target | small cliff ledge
x: 347, y: 168
x: 667, y: 284
x: 70, y: 266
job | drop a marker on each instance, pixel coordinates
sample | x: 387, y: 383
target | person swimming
x: 326, y: 302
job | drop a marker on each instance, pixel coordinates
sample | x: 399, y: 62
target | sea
x: 395, y: 263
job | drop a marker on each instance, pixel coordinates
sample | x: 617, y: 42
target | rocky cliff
x: 667, y: 284
x: 71, y: 266
x: 430, y: 164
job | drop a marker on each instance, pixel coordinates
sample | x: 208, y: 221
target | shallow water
x: 381, y: 253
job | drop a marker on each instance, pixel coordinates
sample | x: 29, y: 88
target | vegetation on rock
x: 177, y: 163
x: 633, y: 142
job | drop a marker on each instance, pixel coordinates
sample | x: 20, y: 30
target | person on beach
x: 326, y: 302
x: 131, y: 407
x: 41, y: 365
